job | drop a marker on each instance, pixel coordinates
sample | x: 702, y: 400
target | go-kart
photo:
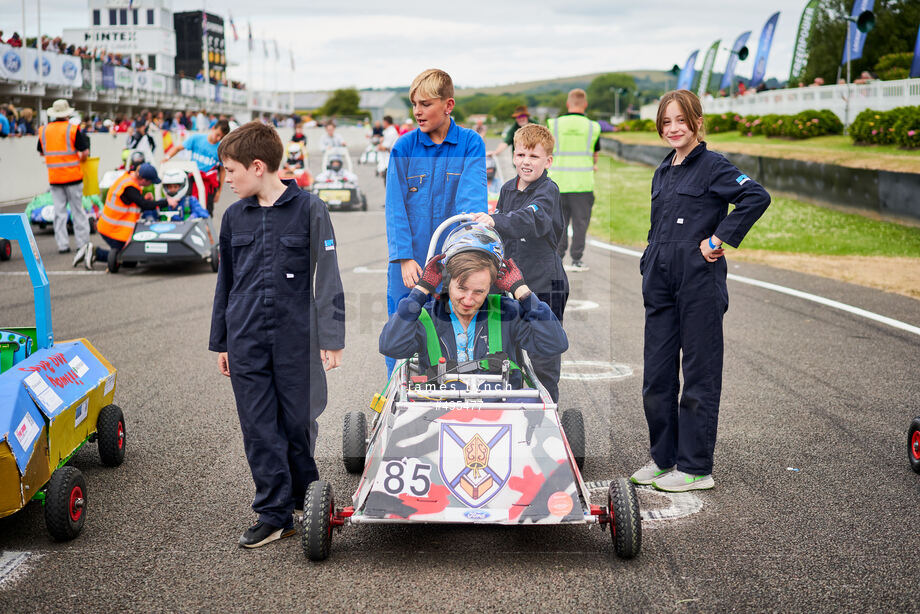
x: 295, y: 165
x: 467, y: 447
x: 40, y: 211
x: 913, y: 444
x: 170, y: 238
x: 370, y: 153
x: 339, y: 194
x: 54, y: 398
x: 494, y: 186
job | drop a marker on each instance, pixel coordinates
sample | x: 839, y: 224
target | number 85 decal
x: 404, y: 477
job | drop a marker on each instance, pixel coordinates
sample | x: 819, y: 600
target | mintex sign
x: 119, y: 39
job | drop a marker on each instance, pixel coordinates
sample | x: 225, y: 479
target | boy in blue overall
x: 434, y: 172
x: 529, y: 219
x: 271, y: 320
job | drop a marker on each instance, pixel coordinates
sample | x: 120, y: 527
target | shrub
x: 894, y: 66
x: 773, y: 124
x: 750, y: 125
x: 812, y: 123
x: 725, y: 122
x: 636, y: 125
x: 892, y: 127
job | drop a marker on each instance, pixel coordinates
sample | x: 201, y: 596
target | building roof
x: 370, y: 99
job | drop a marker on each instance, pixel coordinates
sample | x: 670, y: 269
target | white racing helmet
x: 175, y: 183
x: 473, y: 236
x: 294, y: 149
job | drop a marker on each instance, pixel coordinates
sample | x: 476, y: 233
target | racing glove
x: 432, y: 274
x: 509, y: 277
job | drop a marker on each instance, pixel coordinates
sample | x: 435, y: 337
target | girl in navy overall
x: 685, y: 295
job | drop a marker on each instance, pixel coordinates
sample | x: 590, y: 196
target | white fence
x: 878, y: 95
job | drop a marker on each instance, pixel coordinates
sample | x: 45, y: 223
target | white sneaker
x: 90, y: 257
x: 577, y: 266
x: 648, y: 473
x: 81, y: 253
x: 678, y: 481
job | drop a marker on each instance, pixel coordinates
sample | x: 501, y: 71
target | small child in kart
x: 176, y: 186
x: 335, y: 171
x: 528, y: 217
x: 474, y: 260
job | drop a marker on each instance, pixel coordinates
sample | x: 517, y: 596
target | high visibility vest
x: 118, y: 217
x: 573, y: 156
x: 59, y: 146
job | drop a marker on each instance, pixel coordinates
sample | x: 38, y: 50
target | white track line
x: 9, y: 561
x: 790, y: 291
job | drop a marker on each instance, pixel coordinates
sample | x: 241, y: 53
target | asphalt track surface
x: 815, y: 508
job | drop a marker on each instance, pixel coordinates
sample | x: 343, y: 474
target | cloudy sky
x: 368, y: 43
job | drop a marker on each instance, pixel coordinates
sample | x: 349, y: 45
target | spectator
x: 5, y: 130
x: 15, y: 41
x: 25, y: 127
x: 521, y: 118
x: 330, y: 139
x: 407, y: 126
x: 141, y: 141
x: 819, y: 81
x: 1, y: 37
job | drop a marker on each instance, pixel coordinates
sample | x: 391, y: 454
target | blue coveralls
x: 530, y: 223
x: 685, y: 299
x: 527, y: 324
x: 272, y: 324
x: 426, y: 184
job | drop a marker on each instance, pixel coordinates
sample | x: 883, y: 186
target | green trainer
x: 648, y: 473
x: 678, y: 481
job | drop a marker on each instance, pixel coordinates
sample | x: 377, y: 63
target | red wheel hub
x: 7, y: 250
x: 76, y: 503
x: 121, y: 435
x: 915, y: 445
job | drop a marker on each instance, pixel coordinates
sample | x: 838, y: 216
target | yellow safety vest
x: 59, y: 146
x: 118, y: 217
x: 573, y: 156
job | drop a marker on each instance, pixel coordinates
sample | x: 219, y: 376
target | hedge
x: 900, y: 126
x: 636, y: 125
x: 803, y: 125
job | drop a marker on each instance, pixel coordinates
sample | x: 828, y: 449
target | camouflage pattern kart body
x: 40, y: 211
x: 467, y: 448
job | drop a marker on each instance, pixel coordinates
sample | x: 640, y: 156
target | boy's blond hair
x: 531, y: 135
x: 577, y: 98
x: 432, y: 83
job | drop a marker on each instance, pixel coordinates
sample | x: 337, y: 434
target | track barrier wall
x: 884, y: 192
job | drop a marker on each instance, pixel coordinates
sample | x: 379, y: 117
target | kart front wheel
x: 625, y: 521
x: 318, y: 509
x: 354, y: 441
x: 6, y: 249
x: 110, y: 434
x: 913, y: 444
x: 112, y: 264
x: 65, y: 503
x: 573, y: 425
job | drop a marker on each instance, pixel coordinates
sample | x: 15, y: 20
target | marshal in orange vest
x: 59, y: 146
x: 118, y: 217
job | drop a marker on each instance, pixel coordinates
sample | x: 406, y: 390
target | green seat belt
x: 495, y: 323
x: 431, y: 338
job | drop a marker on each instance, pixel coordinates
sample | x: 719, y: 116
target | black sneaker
x: 262, y: 533
x: 64, y: 251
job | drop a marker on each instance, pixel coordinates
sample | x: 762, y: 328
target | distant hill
x: 644, y: 78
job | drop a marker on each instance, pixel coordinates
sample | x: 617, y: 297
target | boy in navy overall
x: 279, y: 316
x: 529, y: 219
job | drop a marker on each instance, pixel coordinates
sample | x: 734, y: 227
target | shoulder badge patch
x: 330, y: 245
x: 742, y: 179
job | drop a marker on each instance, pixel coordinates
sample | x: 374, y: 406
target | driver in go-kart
x: 468, y: 324
x: 336, y: 171
x: 294, y: 156
x: 176, y: 187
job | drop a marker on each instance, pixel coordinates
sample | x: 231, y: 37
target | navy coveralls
x: 685, y: 299
x: 267, y: 317
x: 527, y: 324
x: 530, y: 223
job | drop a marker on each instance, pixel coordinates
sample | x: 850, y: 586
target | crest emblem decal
x: 475, y: 460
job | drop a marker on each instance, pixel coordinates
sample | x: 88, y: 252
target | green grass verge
x: 622, y: 208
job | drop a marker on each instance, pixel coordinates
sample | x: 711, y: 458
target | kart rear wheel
x: 65, y: 503
x: 215, y: 257
x: 110, y: 435
x: 354, y: 441
x: 573, y: 424
x: 92, y: 225
x: 625, y: 521
x: 913, y: 444
x: 318, y: 509
x: 112, y: 264
x: 363, y: 202
x: 6, y: 249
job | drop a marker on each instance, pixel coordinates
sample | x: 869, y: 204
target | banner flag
x: 763, y: 51
x: 729, y: 73
x: 706, y: 70
x: 915, y: 65
x: 685, y: 81
x: 802, y: 42
x: 855, y: 38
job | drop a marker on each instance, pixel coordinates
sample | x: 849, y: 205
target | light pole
x: 616, y: 99
x: 864, y: 23
x: 742, y: 56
